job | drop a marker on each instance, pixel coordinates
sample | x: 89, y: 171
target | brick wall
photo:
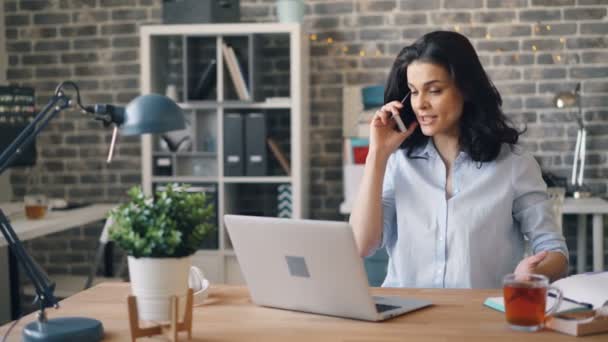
x: 531, y: 49
x: 94, y: 43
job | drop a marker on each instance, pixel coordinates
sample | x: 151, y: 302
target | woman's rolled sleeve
x: 532, y: 208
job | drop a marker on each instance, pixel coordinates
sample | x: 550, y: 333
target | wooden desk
x: 229, y: 315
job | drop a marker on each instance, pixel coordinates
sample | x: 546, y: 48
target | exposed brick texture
x: 530, y: 48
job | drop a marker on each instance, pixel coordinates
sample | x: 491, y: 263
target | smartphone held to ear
x: 398, y: 119
x: 400, y: 123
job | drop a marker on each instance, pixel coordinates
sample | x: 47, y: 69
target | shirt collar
x: 425, y: 151
x: 429, y: 150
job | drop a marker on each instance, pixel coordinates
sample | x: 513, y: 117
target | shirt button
x: 438, y: 271
x: 440, y: 238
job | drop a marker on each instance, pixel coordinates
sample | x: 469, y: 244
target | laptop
x: 310, y: 266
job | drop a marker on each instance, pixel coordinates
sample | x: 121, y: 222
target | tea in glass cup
x: 525, y: 299
x: 35, y: 206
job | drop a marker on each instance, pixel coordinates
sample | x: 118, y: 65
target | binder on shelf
x: 234, y: 164
x: 236, y: 73
x: 206, y: 81
x: 255, y: 144
x: 278, y: 154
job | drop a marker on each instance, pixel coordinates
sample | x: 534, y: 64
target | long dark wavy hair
x: 483, y: 125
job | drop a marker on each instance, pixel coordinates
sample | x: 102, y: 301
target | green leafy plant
x: 173, y: 224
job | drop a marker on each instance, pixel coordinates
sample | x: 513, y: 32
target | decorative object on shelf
x: 16, y: 111
x: 290, y: 11
x: 145, y: 114
x: 171, y: 92
x: 180, y: 140
x: 206, y: 81
x: 569, y: 100
x: 284, y: 201
x: 279, y: 155
x: 201, y: 11
x: 358, y: 107
x: 160, y: 235
x: 373, y: 96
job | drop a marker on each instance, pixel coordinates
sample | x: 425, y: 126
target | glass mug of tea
x: 525, y: 297
x: 35, y: 206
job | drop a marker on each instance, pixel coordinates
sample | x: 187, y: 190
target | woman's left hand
x: 529, y: 264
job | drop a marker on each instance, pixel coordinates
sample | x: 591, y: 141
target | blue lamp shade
x: 152, y: 113
x: 373, y: 96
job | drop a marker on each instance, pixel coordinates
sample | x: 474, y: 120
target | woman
x: 452, y: 198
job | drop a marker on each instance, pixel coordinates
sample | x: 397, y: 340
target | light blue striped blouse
x: 477, y: 236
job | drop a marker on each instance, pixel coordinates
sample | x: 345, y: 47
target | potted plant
x: 160, y: 235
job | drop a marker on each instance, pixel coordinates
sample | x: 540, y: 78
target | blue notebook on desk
x: 497, y: 303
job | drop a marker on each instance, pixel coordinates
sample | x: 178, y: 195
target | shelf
x: 184, y: 179
x: 208, y: 252
x: 271, y: 179
x: 278, y: 104
x: 274, y: 62
x: 185, y: 154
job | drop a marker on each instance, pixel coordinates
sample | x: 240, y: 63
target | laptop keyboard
x: 383, y: 307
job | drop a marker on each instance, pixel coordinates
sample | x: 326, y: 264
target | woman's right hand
x: 384, y: 138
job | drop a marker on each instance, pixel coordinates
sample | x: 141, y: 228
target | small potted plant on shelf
x: 160, y: 235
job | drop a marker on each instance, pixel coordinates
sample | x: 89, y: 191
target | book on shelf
x: 279, y: 155
x: 205, y: 82
x: 236, y: 72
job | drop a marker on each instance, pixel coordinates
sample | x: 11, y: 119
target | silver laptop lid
x: 303, y: 265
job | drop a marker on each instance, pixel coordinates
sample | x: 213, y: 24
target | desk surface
x: 229, y: 315
x: 53, y: 221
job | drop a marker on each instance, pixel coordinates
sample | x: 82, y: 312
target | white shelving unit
x: 220, y: 264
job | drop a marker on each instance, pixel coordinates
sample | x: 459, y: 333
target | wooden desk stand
x: 171, y: 329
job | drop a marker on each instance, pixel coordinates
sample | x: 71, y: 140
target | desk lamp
x: 145, y: 114
x: 568, y: 100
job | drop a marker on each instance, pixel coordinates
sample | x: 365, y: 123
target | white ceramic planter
x: 154, y: 281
